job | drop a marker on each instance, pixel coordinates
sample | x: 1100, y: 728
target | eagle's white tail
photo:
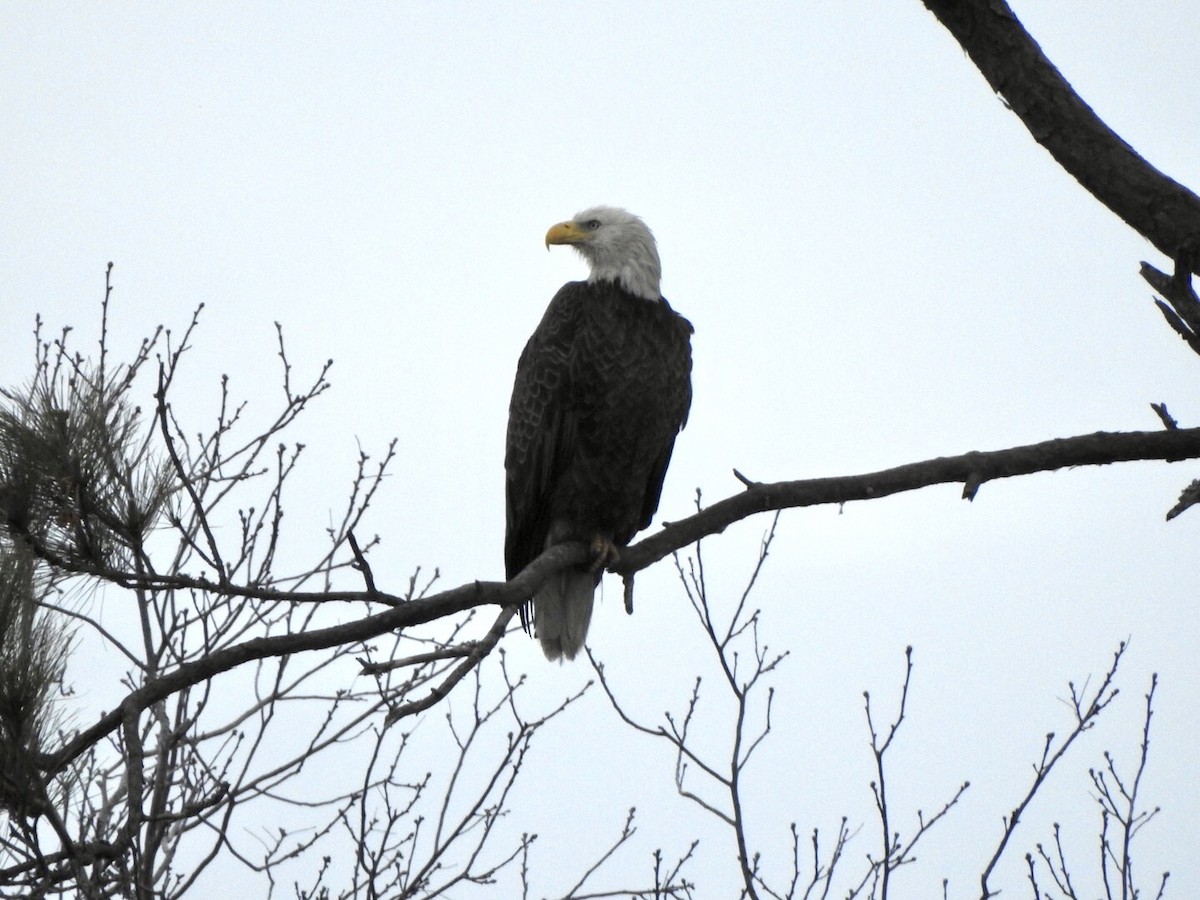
x: 562, y: 610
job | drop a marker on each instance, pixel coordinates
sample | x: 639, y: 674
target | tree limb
x: 972, y: 469
x: 1159, y: 208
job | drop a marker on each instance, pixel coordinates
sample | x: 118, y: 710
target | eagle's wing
x: 679, y: 391
x: 653, y: 490
x: 541, y: 430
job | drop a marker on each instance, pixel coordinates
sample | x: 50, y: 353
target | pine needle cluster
x: 79, y: 495
x: 78, y: 485
x: 33, y: 653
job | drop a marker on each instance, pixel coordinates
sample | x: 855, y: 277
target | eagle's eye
x: 591, y: 224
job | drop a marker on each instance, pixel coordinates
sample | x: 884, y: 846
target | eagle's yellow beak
x: 565, y: 233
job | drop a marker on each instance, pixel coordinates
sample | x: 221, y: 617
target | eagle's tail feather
x: 562, y: 610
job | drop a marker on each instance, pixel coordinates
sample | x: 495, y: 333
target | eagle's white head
x: 617, y: 245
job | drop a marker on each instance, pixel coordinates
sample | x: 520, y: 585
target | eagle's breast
x: 602, y: 390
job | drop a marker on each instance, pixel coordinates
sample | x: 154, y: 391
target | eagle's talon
x: 604, y: 554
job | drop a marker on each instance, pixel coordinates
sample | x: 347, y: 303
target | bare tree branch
x: 1086, y: 712
x: 970, y: 469
x: 1159, y: 208
x: 1101, y: 448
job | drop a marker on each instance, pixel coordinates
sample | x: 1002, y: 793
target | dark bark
x: 969, y: 469
x: 1163, y: 211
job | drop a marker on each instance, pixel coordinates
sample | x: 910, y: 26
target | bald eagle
x: 602, y: 389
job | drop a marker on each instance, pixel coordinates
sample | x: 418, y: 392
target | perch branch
x: 1094, y: 449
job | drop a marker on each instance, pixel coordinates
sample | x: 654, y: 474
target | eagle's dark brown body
x: 602, y: 389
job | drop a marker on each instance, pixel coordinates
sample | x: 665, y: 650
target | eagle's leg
x: 604, y: 553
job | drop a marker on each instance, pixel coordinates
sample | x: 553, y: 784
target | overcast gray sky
x: 881, y: 265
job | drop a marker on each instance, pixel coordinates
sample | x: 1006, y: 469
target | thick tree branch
x: 970, y: 469
x: 1163, y: 211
